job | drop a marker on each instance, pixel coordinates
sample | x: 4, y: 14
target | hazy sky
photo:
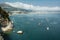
x: 36, y: 2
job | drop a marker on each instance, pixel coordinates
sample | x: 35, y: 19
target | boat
x: 5, y: 22
x: 20, y: 32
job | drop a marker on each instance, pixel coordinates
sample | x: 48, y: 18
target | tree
x: 4, y: 14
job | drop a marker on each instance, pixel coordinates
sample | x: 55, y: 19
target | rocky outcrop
x: 4, y: 14
x: 1, y: 38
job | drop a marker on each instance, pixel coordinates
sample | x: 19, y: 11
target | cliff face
x: 4, y: 14
x: 6, y: 25
x: 1, y: 38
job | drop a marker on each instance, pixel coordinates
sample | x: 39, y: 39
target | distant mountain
x: 19, y: 7
x: 10, y: 8
x: 4, y: 5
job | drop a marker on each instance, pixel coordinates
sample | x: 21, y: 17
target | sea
x: 35, y: 27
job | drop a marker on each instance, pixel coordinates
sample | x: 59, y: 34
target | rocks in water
x: 12, y: 22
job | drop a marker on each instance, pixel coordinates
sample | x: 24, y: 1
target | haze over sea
x: 36, y: 27
x: 38, y: 19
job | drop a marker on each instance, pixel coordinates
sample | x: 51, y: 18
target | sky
x: 36, y: 2
x: 36, y: 5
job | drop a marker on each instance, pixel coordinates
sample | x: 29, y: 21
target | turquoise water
x: 36, y: 27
